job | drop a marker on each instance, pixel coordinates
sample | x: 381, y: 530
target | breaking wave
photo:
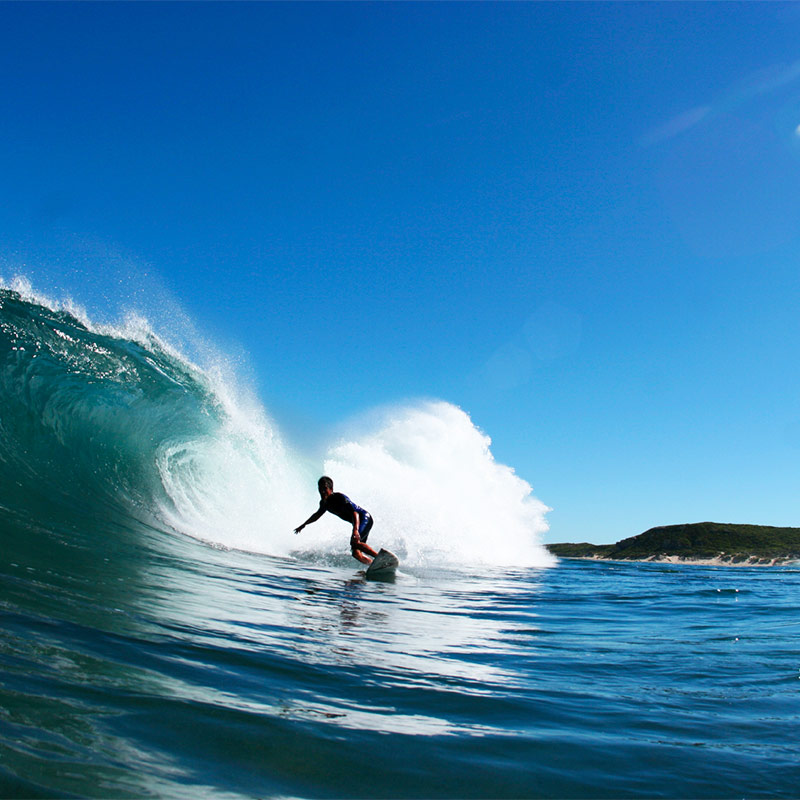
x: 110, y: 425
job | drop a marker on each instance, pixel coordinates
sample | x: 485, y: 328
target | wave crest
x: 428, y: 475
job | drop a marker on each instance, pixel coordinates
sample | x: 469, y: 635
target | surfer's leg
x: 363, y: 534
x: 359, y: 556
x: 365, y: 548
x: 359, y: 548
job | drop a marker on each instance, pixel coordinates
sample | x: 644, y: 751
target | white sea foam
x: 428, y: 476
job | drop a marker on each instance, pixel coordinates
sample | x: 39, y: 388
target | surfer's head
x: 324, y: 484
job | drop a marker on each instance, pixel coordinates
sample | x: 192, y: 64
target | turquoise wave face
x: 109, y: 437
x: 84, y: 412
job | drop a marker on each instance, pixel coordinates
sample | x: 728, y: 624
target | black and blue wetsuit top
x: 343, y: 507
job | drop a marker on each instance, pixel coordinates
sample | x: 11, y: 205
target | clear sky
x: 578, y: 222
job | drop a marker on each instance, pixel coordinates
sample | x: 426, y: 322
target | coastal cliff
x: 699, y: 542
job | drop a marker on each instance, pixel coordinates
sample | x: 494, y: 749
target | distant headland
x: 697, y: 543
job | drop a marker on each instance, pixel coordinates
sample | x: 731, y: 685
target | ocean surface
x: 163, y: 633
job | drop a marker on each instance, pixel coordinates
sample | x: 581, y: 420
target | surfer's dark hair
x: 325, y: 483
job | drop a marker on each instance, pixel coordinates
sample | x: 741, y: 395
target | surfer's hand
x: 297, y: 530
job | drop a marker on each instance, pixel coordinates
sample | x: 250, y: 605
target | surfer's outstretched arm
x: 313, y: 518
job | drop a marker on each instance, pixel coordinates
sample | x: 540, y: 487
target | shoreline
x: 717, y: 561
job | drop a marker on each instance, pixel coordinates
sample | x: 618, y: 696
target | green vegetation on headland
x: 697, y: 542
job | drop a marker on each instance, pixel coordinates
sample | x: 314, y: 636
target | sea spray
x: 437, y: 494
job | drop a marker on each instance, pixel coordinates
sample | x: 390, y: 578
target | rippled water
x: 174, y: 670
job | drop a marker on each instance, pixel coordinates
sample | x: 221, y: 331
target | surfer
x: 344, y: 508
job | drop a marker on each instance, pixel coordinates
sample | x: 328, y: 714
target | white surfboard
x: 383, y: 565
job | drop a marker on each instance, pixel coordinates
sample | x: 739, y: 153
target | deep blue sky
x: 579, y: 222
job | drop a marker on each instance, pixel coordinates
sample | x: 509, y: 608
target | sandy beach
x: 718, y: 561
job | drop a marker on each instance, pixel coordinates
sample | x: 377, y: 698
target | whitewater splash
x: 428, y: 476
x: 141, y: 430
